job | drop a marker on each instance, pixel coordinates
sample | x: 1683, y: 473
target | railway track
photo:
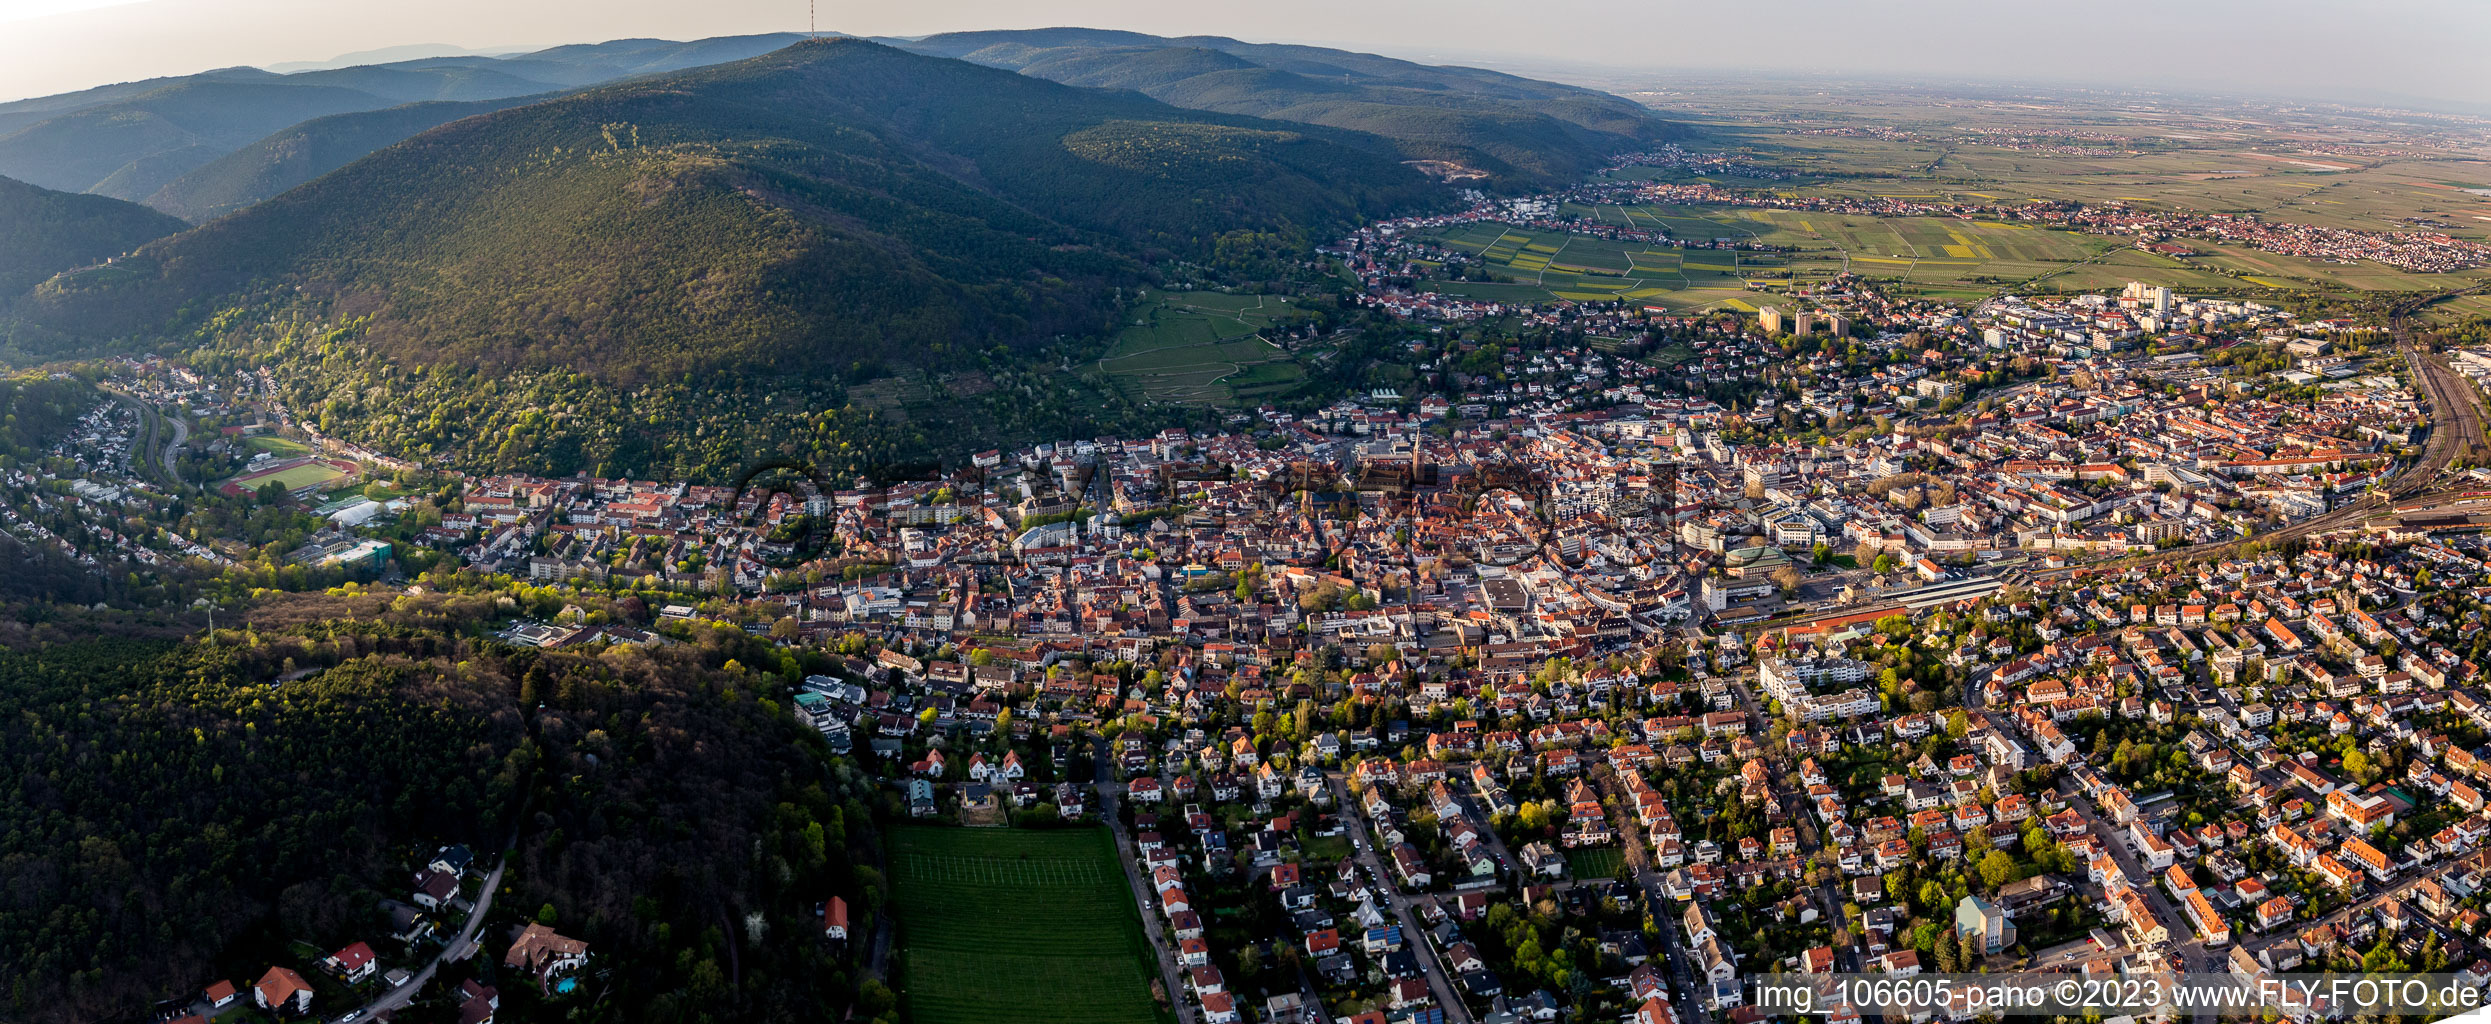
x: 2456, y: 431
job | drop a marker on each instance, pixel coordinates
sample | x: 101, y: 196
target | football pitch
x: 292, y: 476
x: 1010, y: 924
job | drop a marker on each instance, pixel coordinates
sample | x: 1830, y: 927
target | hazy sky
x: 2353, y: 49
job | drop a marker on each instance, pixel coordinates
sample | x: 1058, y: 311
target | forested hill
x: 831, y: 203
x: 129, y: 140
x: 1520, y: 131
x: 175, y: 814
x: 302, y: 152
x: 43, y: 232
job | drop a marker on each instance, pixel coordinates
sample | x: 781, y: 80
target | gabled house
x: 282, y: 991
x: 353, y: 963
x: 835, y: 920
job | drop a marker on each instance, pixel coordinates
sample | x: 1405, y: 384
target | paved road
x: 2294, y: 930
x: 1110, y: 792
x: 181, y: 436
x: 398, y: 998
x: 151, y: 429
x: 1852, y: 956
x: 1665, y: 910
x: 2193, y: 955
x: 2068, y: 953
x: 1438, y: 982
x: 144, y: 440
x: 2456, y: 431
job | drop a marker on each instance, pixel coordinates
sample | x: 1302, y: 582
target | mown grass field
x: 1202, y: 348
x: 305, y: 473
x: 1015, y: 925
x: 281, y: 447
x: 1596, y: 862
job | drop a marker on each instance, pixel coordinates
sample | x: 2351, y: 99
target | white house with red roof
x: 282, y: 989
x: 835, y: 920
x: 353, y: 963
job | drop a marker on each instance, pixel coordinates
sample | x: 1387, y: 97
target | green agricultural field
x: 2459, y: 309
x: 1940, y: 255
x: 2326, y: 168
x: 1203, y: 348
x: 1535, y: 266
x: 1008, y: 924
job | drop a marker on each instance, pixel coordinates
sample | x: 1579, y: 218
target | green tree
x: 1997, y: 868
x: 2357, y: 765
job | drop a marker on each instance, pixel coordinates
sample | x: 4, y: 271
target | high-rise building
x: 1771, y: 317
x: 1806, y: 324
x: 1989, y: 928
x: 1838, y: 325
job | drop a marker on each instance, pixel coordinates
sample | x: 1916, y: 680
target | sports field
x: 1018, y: 925
x: 1596, y: 862
x: 281, y: 447
x: 291, y: 475
x: 1203, y: 348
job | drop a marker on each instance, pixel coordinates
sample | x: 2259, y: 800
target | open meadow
x: 1018, y: 925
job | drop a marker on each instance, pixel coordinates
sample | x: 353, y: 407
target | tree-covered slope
x: 302, y: 152
x: 834, y: 202
x: 590, y: 63
x: 159, y: 135
x: 43, y: 232
x: 1519, y: 130
x: 171, y: 814
x: 133, y: 139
